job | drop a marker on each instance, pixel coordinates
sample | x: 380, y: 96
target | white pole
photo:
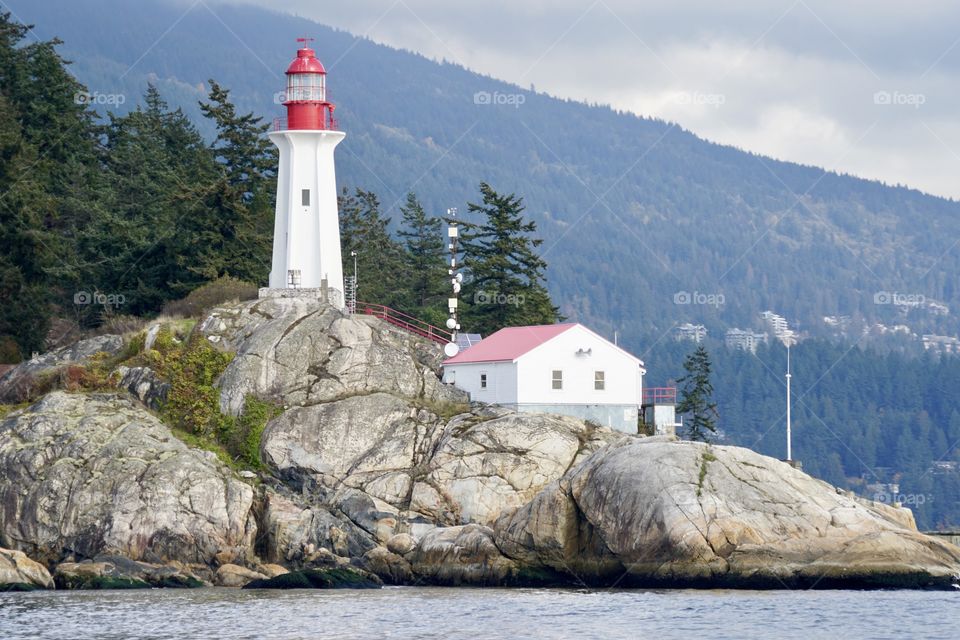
x: 789, y: 448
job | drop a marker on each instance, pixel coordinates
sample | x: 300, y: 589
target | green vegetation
x: 505, y: 271
x: 135, y: 212
x: 209, y: 295
x: 192, y: 407
x: 696, y: 396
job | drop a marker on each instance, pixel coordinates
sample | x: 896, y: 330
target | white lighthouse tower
x: 306, y: 237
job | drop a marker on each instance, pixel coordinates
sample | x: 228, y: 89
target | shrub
x: 121, y: 325
x: 193, y: 403
x: 207, y: 296
x: 242, y: 438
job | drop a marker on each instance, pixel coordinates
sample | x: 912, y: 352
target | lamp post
x: 789, y: 435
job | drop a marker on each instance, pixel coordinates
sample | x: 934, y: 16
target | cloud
x: 795, y: 79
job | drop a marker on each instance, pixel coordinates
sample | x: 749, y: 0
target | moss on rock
x: 335, y: 578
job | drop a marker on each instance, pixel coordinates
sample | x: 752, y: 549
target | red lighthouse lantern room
x: 306, y: 95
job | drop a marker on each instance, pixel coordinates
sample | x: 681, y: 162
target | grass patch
x: 7, y: 409
x: 706, y: 458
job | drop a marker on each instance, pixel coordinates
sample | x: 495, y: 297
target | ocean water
x: 422, y: 612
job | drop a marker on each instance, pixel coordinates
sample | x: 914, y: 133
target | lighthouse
x: 306, y: 237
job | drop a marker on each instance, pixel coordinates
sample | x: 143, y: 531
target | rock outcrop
x: 648, y: 512
x: 307, y: 353
x: 18, y: 572
x: 375, y: 471
x: 118, y: 572
x: 89, y: 474
x: 37, y: 375
x: 145, y: 385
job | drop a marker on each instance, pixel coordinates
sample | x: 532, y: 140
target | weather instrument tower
x: 306, y: 239
x: 456, y: 282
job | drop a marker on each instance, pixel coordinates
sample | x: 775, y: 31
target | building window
x: 599, y: 381
x: 305, y: 197
x: 483, y: 381
x: 557, y: 379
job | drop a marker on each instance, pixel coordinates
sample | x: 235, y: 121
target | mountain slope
x: 633, y: 211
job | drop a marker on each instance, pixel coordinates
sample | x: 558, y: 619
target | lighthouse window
x: 305, y: 197
x: 599, y: 380
x: 483, y: 381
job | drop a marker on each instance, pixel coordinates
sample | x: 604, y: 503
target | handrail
x: 404, y: 321
x: 658, y: 395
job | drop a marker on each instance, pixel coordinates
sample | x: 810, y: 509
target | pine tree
x: 696, y: 396
x: 380, y: 258
x: 160, y: 224
x: 243, y: 197
x: 48, y: 171
x: 426, y: 261
x: 506, y: 275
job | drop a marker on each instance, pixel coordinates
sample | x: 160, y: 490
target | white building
x: 746, y: 340
x: 306, y: 237
x: 690, y: 331
x: 561, y: 368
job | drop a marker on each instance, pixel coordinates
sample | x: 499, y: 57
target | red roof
x: 305, y: 62
x: 510, y: 343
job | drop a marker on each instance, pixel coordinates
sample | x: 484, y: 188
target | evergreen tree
x: 506, y: 275
x: 242, y: 199
x: 380, y: 258
x: 696, y: 396
x: 48, y: 177
x: 159, y: 223
x: 426, y: 261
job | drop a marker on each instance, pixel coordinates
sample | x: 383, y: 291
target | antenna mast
x: 456, y: 278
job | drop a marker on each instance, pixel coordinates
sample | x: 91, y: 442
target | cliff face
x: 375, y: 464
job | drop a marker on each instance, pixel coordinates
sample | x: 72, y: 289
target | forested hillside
x: 631, y: 210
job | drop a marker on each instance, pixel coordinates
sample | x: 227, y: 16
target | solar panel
x: 467, y: 340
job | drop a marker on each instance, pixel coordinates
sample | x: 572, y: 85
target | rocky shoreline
x: 373, y: 472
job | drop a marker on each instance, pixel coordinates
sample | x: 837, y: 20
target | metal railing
x: 659, y: 395
x: 404, y: 321
x: 280, y: 124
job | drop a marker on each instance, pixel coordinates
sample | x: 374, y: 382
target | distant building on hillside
x: 941, y: 344
x: 745, y: 339
x: 560, y: 368
x: 693, y: 332
x: 778, y: 325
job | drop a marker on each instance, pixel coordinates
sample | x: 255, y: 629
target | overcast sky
x: 864, y: 87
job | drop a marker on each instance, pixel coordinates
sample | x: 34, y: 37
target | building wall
x: 621, y: 417
x: 623, y: 378
x: 501, y: 381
